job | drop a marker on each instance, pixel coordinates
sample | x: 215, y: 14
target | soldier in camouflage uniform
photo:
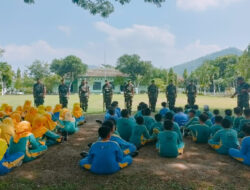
x: 152, y: 95
x: 39, y: 92
x: 191, y: 93
x: 128, y: 95
x: 107, y: 91
x: 84, y: 95
x: 242, y: 91
x: 171, y: 94
x: 63, y: 90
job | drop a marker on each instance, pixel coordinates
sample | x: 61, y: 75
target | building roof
x: 104, y: 72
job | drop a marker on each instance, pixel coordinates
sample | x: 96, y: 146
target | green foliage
x: 119, y: 80
x: 6, y: 74
x: 138, y: 70
x: 27, y: 83
x: 160, y: 73
x: 51, y: 82
x: 160, y: 83
x: 38, y: 69
x: 18, y: 82
x: 71, y: 66
x: 172, y: 76
x: 243, y: 66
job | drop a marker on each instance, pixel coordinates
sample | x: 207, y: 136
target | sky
x: 179, y: 31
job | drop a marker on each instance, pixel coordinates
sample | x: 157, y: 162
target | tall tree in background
x: 18, y: 81
x: 243, y: 66
x: 172, y: 76
x: 139, y: 71
x: 71, y: 67
x: 103, y: 7
x: 6, y: 75
x: 38, y: 69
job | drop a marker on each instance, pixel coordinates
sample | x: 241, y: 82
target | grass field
x: 96, y: 101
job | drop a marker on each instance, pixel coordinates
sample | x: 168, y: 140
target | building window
x: 97, y: 86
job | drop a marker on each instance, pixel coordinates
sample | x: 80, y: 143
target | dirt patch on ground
x: 199, y: 168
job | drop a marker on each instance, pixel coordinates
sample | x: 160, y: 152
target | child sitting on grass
x: 238, y: 118
x: 244, y: 121
x: 169, y: 144
x: 105, y: 156
x: 217, y: 126
x: 216, y: 112
x: 225, y: 138
x: 164, y: 109
x: 158, y: 126
x: 192, y: 118
x: 243, y: 154
x: 228, y: 115
x: 148, y: 120
x: 140, y: 134
x: 111, y: 114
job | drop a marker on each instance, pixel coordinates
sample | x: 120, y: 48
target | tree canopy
x: 6, y: 74
x: 103, y: 7
x: 39, y: 69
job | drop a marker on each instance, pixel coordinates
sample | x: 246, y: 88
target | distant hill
x: 192, y: 65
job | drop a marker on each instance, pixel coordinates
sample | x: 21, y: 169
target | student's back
x: 168, y: 143
x: 105, y: 157
x: 149, y: 123
x: 215, y: 128
x: 139, y: 135
x: 124, y: 127
x: 236, y: 124
x: 163, y: 111
x: 181, y: 118
x: 200, y: 133
x: 176, y: 128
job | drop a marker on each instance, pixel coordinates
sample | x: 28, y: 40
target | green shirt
x: 124, y: 128
x: 209, y: 123
x: 215, y: 128
x: 192, y: 121
x: 168, y: 143
x: 236, y: 124
x: 139, y: 133
x: 149, y: 123
x: 200, y: 133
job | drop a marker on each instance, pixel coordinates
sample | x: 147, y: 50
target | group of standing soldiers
x: 39, y: 92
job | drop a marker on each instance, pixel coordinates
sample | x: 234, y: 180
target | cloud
x: 201, y: 5
x: 65, y: 29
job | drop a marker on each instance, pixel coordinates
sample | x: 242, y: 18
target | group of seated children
x: 27, y: 132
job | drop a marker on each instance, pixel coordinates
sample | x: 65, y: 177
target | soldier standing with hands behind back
x: 107, y: 91
x: 191, y: 93
x: 128, y: 95
x: 171, y: 94
x: 39, y: 92
x: 84, y: 95
x: 63, y: 90
x: 152, y: 95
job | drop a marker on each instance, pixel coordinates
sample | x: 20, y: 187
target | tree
x: 27, y: 83
x: 18, y: 82
x: 243, y: 66
x: 51, y: 82
x: 71, y: 67
x: 139, y: 71
x: 38, y: 69
x: 102, y: 7
x: 172, y: 76
x: 6, y: 75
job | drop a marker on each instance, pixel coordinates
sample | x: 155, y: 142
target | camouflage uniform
x: 243, y: 97
x: 63, y: 90
x: 38, y: 93
x: 107, y: 91
x: 152, y: 95
x: 84, y: 96
x: 171, y: 94
x: 128, y: 94
x: 191, y: 94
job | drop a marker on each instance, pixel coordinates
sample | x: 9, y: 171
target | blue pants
x: 10, y: 161
x: 236, y: 154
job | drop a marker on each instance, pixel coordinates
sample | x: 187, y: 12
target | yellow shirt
x: 3, y: 148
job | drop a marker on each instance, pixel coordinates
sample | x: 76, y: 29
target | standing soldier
x: 84, y: 95
x: 39, y: 92
x: 171, y: 94
x: 63, y: 90
x: 107, y: 91
x: 152, y: 95
x: 128, y: 94
x: 191, y: 93
x: 242, y: 91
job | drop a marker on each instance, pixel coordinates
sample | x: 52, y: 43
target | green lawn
x: 96, y: 101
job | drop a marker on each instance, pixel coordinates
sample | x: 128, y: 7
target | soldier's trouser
x: 107, y: 101
x: 39, y: 101
x: 191, y: 100
x: 152, y: 102
x: 128, y: 101
x: 171, y: 102
x: 84, y: 103
x: 243, y: 102
x: 64, y: 101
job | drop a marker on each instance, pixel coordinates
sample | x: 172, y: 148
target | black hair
x: 205, y: 113
x: 104, y: 131
x: 246, y: 128
x: 168, y: 125
x: 111, y: 111
x: 218, y: 119
x: 192, y: 111
x: 187, y: 106
x: 247, y: 112
x: 226, y: 123
x: 216, y: 112
x: 237, y: 110
x: 140, y: 120
x: 175, y: 110
x: 169, y: 116
x: 112, y: 120
x: 196, y: 107
x: 228, y: 112
x: 109, y: 124
x: 158, y: 117
x: 146, y: 112
x: 164, y: 104
x: 114, y: 104
x: 203, y: 117
x: 124, y: 113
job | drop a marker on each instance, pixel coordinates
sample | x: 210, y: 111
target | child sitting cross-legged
x: 217, y: 126
x: 169, y: 144
x: 238, y: 118
x: 243, y: 154
x: 164, y: 109
x: 224, y: 139
x: 244, y: 121
x: 228, y: 115
x: 105, y: 156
